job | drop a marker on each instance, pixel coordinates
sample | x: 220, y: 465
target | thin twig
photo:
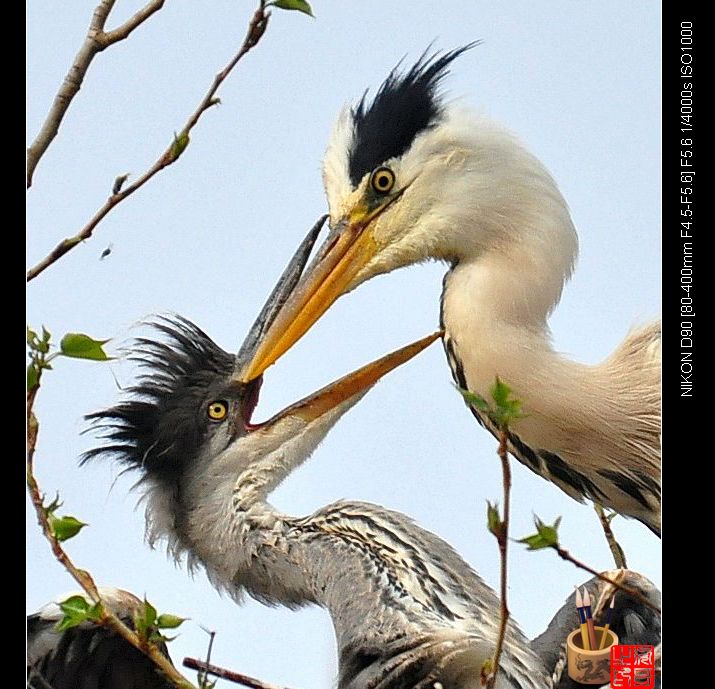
x: 618, y: 553
x: 203, y: 676
x: 82, y: 577
x: 123, y: 31
x: 503, y: 541
x: 236, y: 677
x: 256, y: 29
x: 95, y: 42
x: 565, y: 555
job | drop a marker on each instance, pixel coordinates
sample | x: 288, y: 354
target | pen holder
x: 590, y: 667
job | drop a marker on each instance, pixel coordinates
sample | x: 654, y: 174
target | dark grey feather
x: 159, y: 427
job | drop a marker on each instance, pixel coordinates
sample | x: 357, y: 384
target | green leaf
x: 76, y: 610
x: 150, y: 613
x: 80, y: 346
x: 33, y: 376
x: 507, y: 409
x: 64, y: 528
x: 534, y: 542
x: 475, y: 400
x: 500, y: 393
x: 31, y: 336
x: 546, y: 535
x: 45, y: 334
x: 300, y: 5
x: 145, y: 620
x: 179, y: 146
x: 75, y: 605
x: 156, y: 637
x: 168, y: 621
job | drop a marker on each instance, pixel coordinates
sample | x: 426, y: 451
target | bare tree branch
x: 121, y: 32
x: 619, y: 555
x: 565, y: 555
x: 95, y: 42
x: 503, y: 541
x: 256, y: 29
x: 81, y: 576
x: 236, y: 677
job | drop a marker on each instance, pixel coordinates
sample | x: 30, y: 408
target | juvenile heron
x: 88, y: 656
x: 406, y: 609
x: 409, y: 178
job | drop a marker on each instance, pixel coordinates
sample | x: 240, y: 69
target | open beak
x: 342, y: 250
x: 349, y: 388
x: 348, y: 248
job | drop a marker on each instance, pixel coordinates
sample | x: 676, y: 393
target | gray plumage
x: 88, y: 656
x: 407, y: 610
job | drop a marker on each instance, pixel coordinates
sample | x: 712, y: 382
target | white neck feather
x: 513, y: 250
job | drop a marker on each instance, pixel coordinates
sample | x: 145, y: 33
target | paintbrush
x: 589, y: 619
x: 582, y: 618
x: 609, y: 614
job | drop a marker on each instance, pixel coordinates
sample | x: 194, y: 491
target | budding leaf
x: 169, y: 621
x: 507, y: 409
x: 31, y: 336
x: 494, y: 522
x: 53, y: 506
x: 546, y: 535
x: 179, y: 146
x: 80, y: 346
x: 300, y: 5
x: 64, y: 528
x: 119, y: 183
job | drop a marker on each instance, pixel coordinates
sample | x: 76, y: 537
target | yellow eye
x: 382, y: 180
x: 217, y: 410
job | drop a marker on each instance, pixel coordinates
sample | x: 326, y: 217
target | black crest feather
x: 158, y: 427
x: 405, y: 105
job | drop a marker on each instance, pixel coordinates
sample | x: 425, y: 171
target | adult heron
x: 410, y: 178
x: 407, y: 610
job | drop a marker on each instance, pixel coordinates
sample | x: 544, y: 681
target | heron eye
x: 217, y: 410
x: 382, y: 180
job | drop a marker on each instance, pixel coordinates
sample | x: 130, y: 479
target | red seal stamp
x: 632, y: 666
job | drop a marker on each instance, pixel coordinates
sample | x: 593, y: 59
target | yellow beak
x: 351, y: 385
x: 348, y: 248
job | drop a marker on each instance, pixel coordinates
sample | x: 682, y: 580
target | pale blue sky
x: 578, y: 82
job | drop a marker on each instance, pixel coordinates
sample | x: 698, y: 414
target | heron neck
x: 494, y: 313
x: 219, y: 517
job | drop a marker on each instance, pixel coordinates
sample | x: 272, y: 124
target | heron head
x: 189, y: 414
x: 410, y: 178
